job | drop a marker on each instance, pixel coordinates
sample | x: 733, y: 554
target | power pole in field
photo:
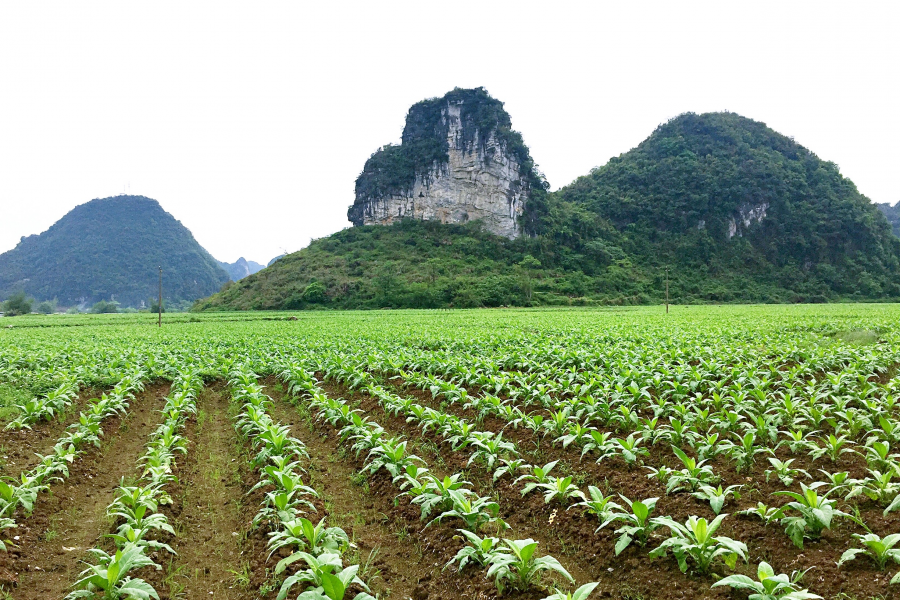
x: 667, y: 290
x: 159, y: 306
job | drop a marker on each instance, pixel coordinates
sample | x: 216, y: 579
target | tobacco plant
x: 768, y: 585
x: 815, y: 514
x: 696, y: 540
x: 636, y: 525
x: 516, y: 566
x: 880, y: 550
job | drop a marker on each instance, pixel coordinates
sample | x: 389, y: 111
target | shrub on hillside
x: 17, y: 304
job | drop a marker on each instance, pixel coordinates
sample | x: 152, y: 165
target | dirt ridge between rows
x: 569, y: 535
x: 424, y: 551
x: 71, y: 517
x: 208, y: 513
x: 19, y: 447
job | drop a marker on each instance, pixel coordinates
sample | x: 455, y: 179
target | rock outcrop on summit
x: 459, y: 161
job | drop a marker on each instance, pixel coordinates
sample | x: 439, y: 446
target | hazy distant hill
x: 892, y: 213
x: 734, y: 210
x: 111, y: 248
x: 241, y: 268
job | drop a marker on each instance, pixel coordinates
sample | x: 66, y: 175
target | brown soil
x: 71, y: 517
x: 410, y: 556
x: 208, y: 509
x: 571, y: 536
x: 347, y: 506
x: 19, y: 448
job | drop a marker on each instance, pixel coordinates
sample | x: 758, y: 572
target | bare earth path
x: 211, y: 525
x: 383, y: 540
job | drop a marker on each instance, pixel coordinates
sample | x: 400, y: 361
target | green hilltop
x: 110, y: 249
x: 734, y: 210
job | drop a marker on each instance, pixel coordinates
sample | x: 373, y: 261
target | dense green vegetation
x: 691, y: 198
x: 392, y: 170
x: 110, y: 249
x: 16, y: 305
x: 627, y: 450
x: 892, y: 213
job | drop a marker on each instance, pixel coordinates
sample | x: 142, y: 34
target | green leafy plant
x: 696, y: 540
x: 783, y: 470
x: 880, y: 550
x: 833, y: 448
x: 475, y: 513
x: 692, y: 476
x: 580, y: 594
x: 329, y: 579
x: 815, y: 514
x: 597, y: 504
x: 768, y: 585
x: 716, y: 496
x: 301, y: 533
x: 435, y: 492
x: 764, y: 512
x: 477, y: 552
x: 560, y: 489
x: 637, y: 524
x: 110, y: 577
x: 630, y: 449
x: 744, y: 452
x: 537, y: 477
x: 516, y: 565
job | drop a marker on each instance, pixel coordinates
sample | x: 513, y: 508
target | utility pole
x: 159, y: 306
x: 667, y: 290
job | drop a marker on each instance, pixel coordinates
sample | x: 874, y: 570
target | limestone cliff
x: 459, y: 160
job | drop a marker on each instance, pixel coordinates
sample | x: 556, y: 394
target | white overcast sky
x: 249, y: 122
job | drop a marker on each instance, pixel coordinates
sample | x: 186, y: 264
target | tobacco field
x: 714, y: 452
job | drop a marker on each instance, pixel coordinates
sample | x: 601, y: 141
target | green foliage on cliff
x: 392, y: 170
x: 691, y: 198
x: 110, y: 249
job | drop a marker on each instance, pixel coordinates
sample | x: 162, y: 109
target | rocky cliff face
x: 458, y: 161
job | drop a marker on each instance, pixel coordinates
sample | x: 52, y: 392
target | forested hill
x: 736, y: 211
x: 110, y: 249
x: 719, y: 195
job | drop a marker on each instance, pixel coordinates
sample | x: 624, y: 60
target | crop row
x: 136, y: 507
x: 805, y: 516
x: 510, y: 563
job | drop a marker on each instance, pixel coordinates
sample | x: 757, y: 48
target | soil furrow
x: 381, y: 540
x: 535, y: 522
x: 419, y: 558
x: 71, y: 517
x: 570, y: 536
x: 209, y: 513
x: 19, y: 448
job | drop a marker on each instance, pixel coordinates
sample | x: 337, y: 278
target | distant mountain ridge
x: 111, y: 249
x: 241, y: 268
x: 731, y: 210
